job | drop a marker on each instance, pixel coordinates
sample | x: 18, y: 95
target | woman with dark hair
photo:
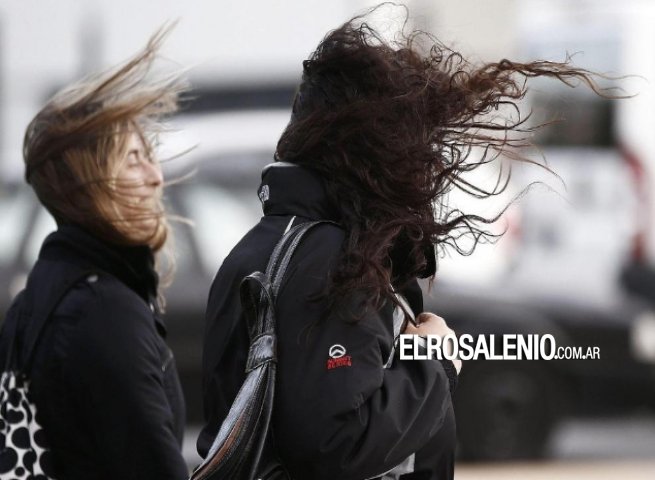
x: 86, y: 333
x: 379, y: 133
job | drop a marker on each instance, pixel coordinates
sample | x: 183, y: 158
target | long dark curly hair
x: 392, y: 127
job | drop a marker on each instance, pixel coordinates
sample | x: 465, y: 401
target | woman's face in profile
x: 139, y: 183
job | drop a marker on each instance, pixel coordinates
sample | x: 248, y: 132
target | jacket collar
x: 132, y: 265
x: 289, y: 189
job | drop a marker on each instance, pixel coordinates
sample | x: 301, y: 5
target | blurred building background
x: 578, y: 258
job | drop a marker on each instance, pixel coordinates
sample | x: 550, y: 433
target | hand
x: 431, y: 324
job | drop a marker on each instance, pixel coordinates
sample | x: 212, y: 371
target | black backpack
x: 244, y: 448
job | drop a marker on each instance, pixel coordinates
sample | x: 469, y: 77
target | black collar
x: 134, y: 266
x: 289, y: 189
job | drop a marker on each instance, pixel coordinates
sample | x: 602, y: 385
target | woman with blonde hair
x: 87, y: 331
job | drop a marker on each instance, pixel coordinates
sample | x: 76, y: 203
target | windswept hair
x: 392, y: 127
x: 73, y: 146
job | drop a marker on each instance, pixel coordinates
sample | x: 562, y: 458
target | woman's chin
x: 142, y: 231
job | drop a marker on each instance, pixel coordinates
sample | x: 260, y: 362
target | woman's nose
x: 155, y: 177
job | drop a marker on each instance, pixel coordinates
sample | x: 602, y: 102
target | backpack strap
x: 46, y: 286
x: 268, y: 284
x: 10, y: 331
x: 240, y: 444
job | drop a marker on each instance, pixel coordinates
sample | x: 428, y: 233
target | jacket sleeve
x: 347, y: 417
x: 117, y: 377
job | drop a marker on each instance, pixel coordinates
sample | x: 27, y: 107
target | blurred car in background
x: 586, y: 225
x: 505, y: 409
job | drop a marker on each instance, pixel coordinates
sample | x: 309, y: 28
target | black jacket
x: 103, y: 380
x: 347, y: 418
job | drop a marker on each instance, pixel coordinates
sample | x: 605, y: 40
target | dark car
x: 508, y: 409
x: 505, y: 409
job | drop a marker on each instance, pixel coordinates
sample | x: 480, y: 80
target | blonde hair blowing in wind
x: 74, y: 146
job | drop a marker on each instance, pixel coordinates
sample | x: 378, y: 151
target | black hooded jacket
x: 338, y: 413
x: 103, y: 380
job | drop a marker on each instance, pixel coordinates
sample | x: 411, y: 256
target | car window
x: 220, y: 217
x: 14, y: 210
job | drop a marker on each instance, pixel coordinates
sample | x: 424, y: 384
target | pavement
x: 560, y: 470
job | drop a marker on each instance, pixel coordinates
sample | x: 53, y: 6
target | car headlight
x: 642, y: 337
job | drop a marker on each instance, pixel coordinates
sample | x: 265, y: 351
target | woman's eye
x: 133, y: 159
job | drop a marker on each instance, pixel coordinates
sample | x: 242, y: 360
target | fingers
x: 429, y: 317
x: 411, y: 329
x: 429, y: 324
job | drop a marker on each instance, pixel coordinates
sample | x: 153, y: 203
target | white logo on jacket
x: 264, y: 193
x: 337, y: 351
